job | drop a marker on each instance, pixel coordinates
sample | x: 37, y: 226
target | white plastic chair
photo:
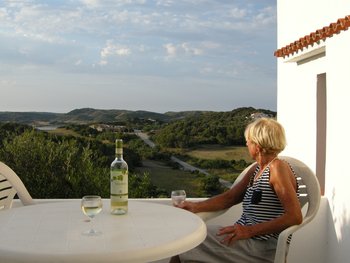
x: 10, y: 185
x: 310, y: 194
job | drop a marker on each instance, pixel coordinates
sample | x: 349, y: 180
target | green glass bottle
x: 119, y: 181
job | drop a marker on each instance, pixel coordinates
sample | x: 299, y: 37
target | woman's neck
x: 265, y: 159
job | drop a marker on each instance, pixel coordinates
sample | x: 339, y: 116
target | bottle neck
x: 119, y: 149
x: 119, y: 153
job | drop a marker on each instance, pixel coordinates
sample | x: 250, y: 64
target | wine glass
x: 178, y: 196
x: 91, y: 205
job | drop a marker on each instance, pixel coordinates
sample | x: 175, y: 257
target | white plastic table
x: 52, y: 232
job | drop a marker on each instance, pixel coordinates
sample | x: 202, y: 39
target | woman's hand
x: 188, y: 205
x: 233, y: 233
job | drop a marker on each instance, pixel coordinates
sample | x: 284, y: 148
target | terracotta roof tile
x: 314, y: 37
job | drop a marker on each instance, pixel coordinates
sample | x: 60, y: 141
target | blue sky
x: 161, y: 55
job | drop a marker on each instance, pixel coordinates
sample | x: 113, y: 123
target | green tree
x: 54, y: 169
x: 224, y: 128
x: 211, y: 185
x: 140, y: 186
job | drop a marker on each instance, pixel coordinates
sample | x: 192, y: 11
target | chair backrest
x: 10, y: 185
x: 242, y: 174
x: 310, y: 194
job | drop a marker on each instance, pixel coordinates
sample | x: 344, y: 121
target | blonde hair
x: 268, y: 134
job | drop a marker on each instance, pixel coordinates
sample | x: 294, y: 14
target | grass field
x: 212, y: 152
x: 65, y: 132
x: 220, y: 152
x: 169, y: 179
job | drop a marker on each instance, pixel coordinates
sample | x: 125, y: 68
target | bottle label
x: 119, y: 185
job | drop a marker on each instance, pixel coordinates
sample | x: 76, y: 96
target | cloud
x: 90, y: 3
x: 97, y: 4
x: 266, y: 16
x: 188, y: 49
x: 183, y: 49
x: 237, y: 13
x: 3, y: 14
x: 113, y: 50
x: 165, y: 3
x: 170, y: 49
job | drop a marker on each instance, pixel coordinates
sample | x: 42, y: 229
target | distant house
x: 258, y: 115
x: 313, y: 105
x: 108, y: 127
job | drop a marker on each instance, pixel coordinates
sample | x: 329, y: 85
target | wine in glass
x: 91, y: 205
x: 178, y: 196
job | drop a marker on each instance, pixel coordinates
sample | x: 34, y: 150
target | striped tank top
x: 260, y: 203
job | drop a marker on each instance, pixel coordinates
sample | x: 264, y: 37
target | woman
x: 270, y: 204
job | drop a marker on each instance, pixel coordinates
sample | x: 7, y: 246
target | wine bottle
x: 119, y: 181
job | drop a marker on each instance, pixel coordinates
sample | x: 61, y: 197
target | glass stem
x: 92, y: 230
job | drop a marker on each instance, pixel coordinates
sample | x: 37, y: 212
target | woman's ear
x: 258, y: 149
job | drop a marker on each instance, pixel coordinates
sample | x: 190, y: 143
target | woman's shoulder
x: 280, y: 168
x: 279, y: 163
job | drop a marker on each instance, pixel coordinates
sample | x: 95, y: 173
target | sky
x: 153, y: 55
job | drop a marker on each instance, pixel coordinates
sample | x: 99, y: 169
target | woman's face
x: 252, y: 148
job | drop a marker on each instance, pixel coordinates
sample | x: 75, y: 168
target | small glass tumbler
x: 178, y: 196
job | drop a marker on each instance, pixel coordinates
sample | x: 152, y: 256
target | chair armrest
x: 17, y: 184
x: 282, y: 243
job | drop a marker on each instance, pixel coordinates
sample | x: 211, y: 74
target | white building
x: 313, y: 95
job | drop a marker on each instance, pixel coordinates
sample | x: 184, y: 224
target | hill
x: 29, y: 117
x: 224, y: 128
x: 89, y: 115
x: 192, y: 119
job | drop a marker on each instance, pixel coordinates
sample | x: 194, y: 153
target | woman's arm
x: 222, y: 201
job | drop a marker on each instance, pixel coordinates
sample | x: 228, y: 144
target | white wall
x: 302, y: 17
x: 338, y: 145
x: 296, y: 107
